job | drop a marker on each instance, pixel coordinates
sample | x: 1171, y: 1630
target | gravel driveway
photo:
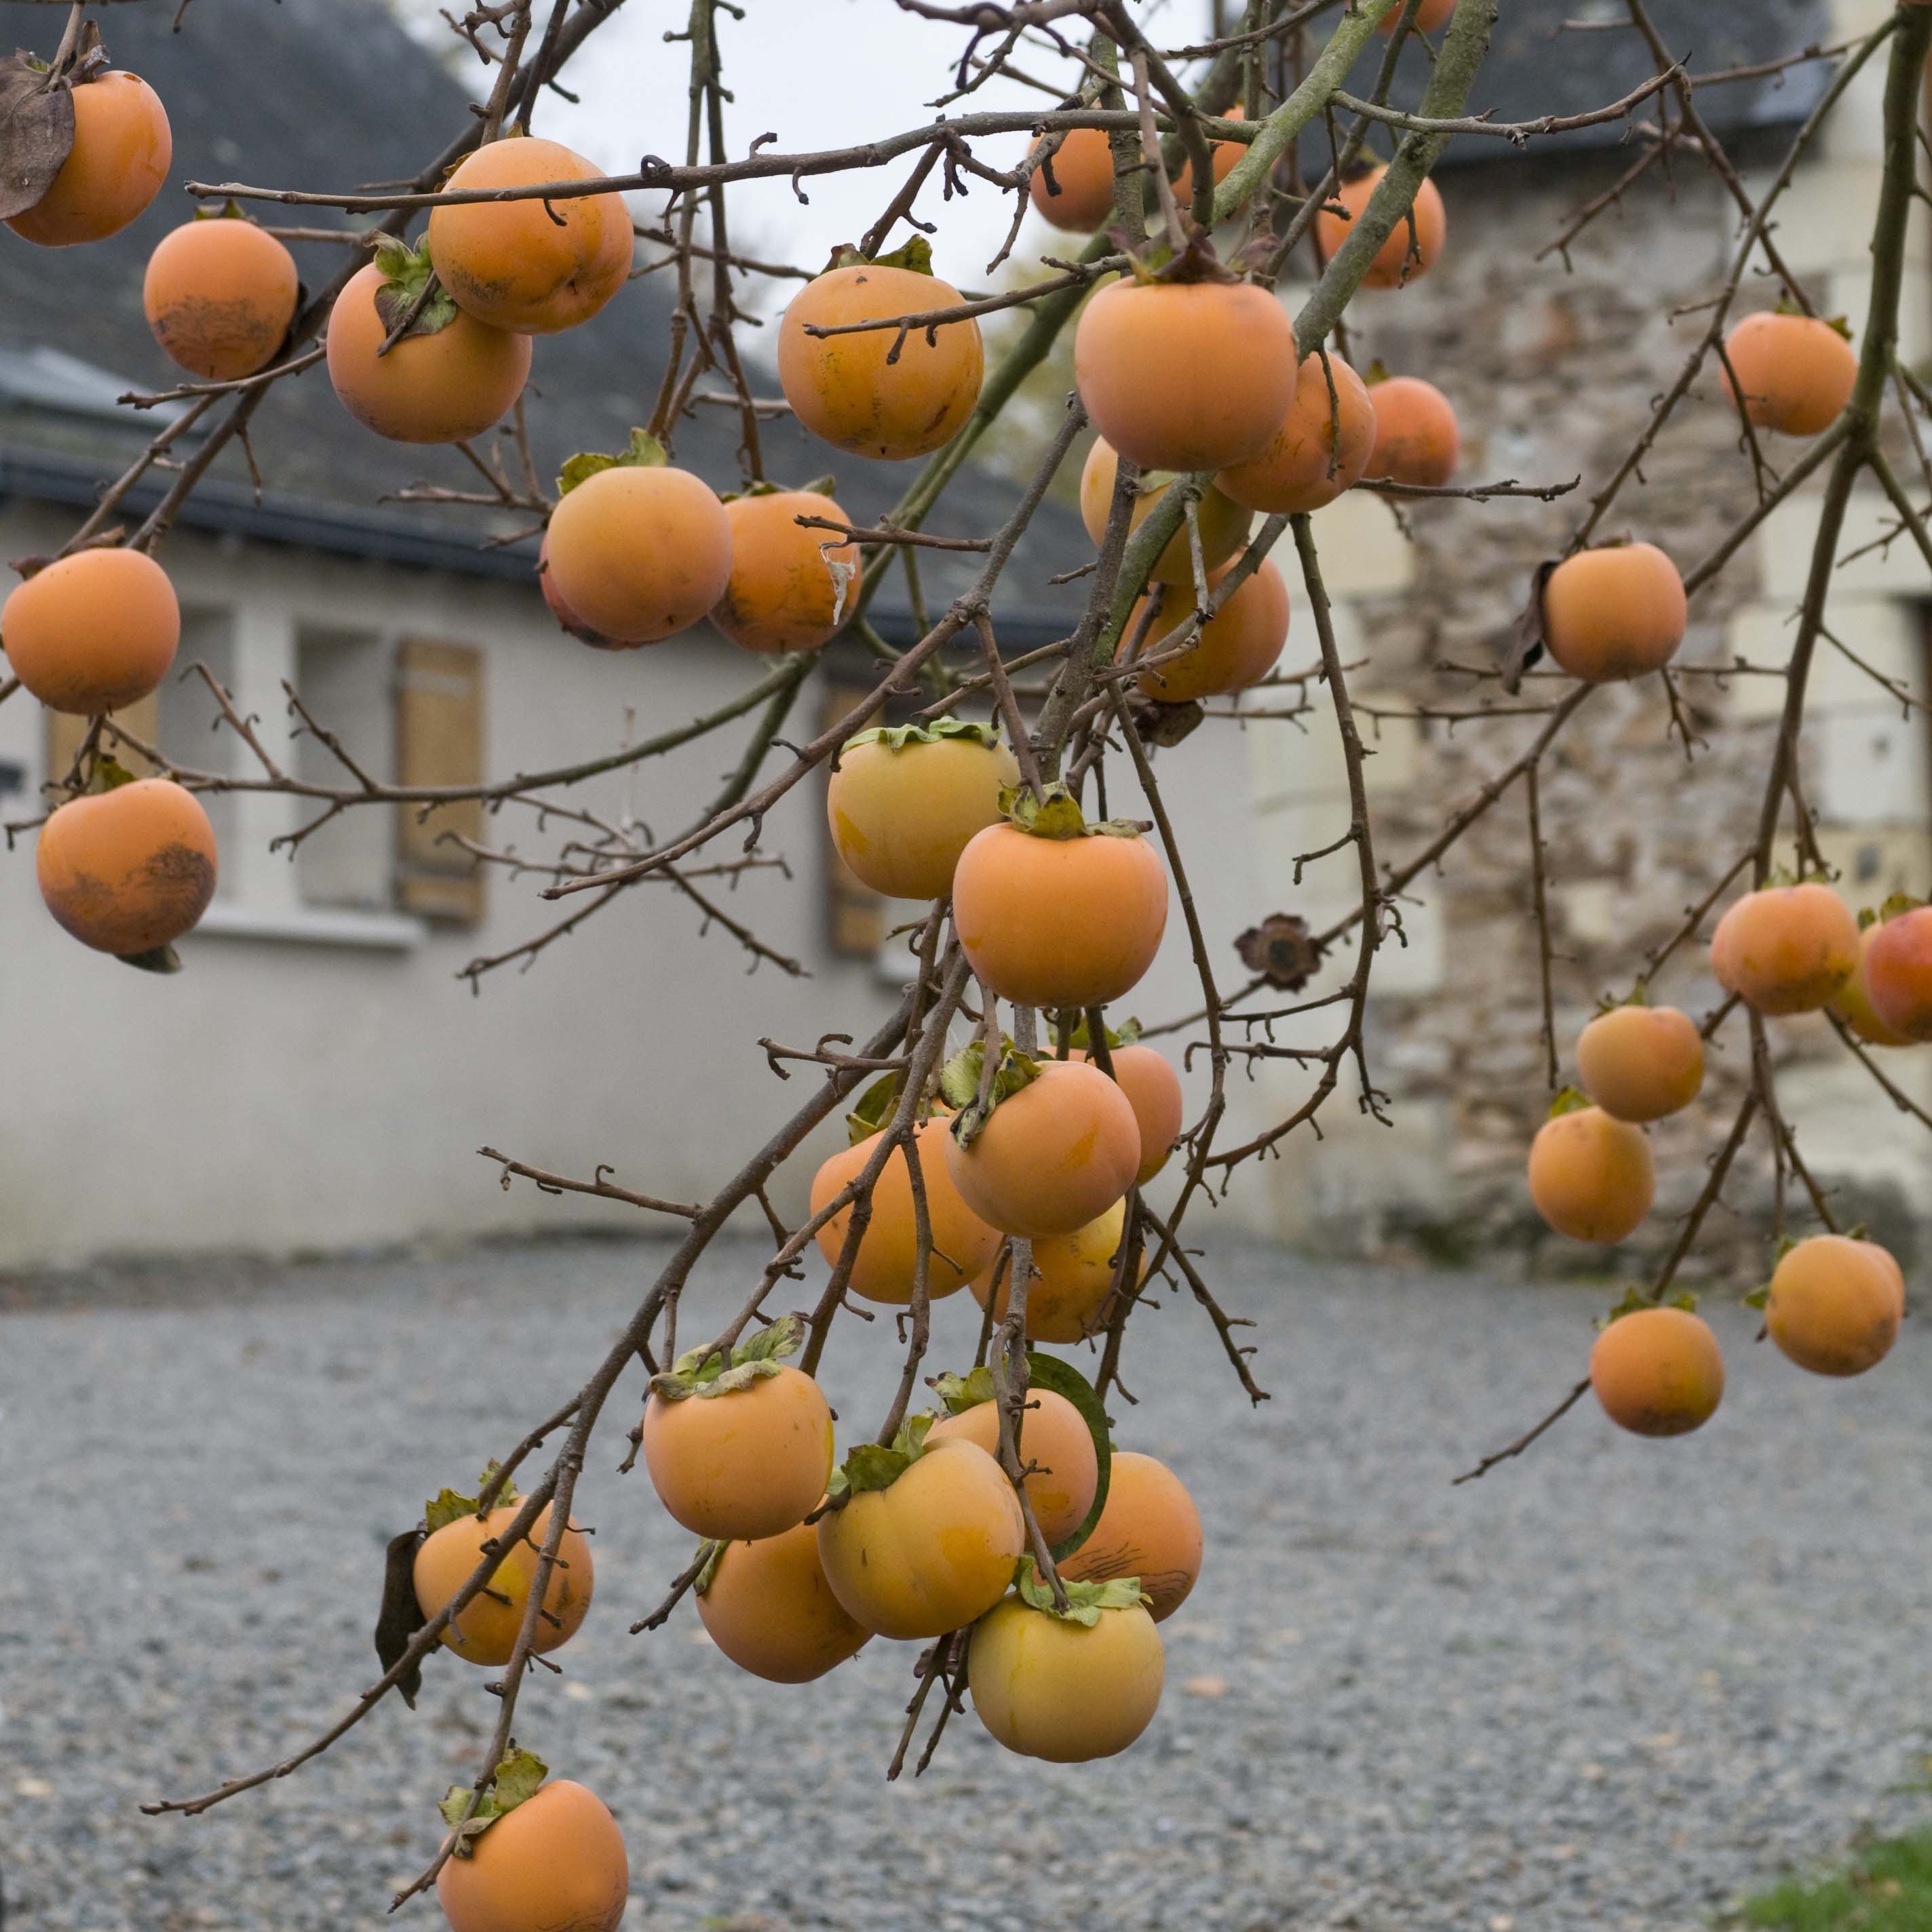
x: 1609, y: 1687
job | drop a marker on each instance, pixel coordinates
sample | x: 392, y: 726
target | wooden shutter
x: 855, y: 915
x: 438, y: 741
x: 66, y: 733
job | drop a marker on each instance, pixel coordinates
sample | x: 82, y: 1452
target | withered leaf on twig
x: 1526, y: 639
x: 401, y: 1615
x: 1281, y: 950
x: 36, y: 133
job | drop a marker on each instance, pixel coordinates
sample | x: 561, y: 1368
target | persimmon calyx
x: 711, y: 1553
x: 1896, y: 906
x: 643, y: 451
x: 407, y: 273
x: 1635, y: 1302
x: 1080, y: 1040
x: 705, y: 1372
x: 1085, y: 1601
x: 948, y: 731
x: 875, y: 1109
x: 961, y: 1393
x: 878, y: 1465
x: 819, y: 486
x: 230, y: 210
x: 450, y: 1506
x: 1055, y: 813
x: 110, y: 775
x: 916, y: 256
x: 959, y: 1084
x: 1570, y: 1100
x: 470, y: 1814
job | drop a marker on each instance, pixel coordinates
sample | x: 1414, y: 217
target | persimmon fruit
x: 1414, y: 244
x: 1320, y: 448
x: 129, y: 871
x: 1429, y: 16
x: 122, y: 145
x: 1222, y: 154
x: 1149, y: 1527
x: 1852, y: 1001
x: 1146, y: 1076
x: 844, y: 389
x: 556, y: 1863
x: 484, y: 1631
x: 1835, y: 1304
x: 1417, y: 439
x: 532, y: 267
x: 1053, y: 1435
x: 749, y: 1462
x: 1896, y: 965
x: 1640, y: 1064
x: 791, y: 587
x: 1223, y: 522
x: 1080, y: 199
x: 1047, y: 1687
x: 93, y: 632
x: 1072, y: 1276
x: 1658, y: 1372
x: 1786, y: 949
x: 567, y: 619
x: 1616, y: 612
x: 1237, y: 646
x: 1591, y: 1176
x: 219, y: 294
x: 768, y: 1608
x: 1185, y: 375
x: 1796, y: 372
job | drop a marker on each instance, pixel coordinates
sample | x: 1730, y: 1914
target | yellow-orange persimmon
x: 1796, y: 372
x: 121, y: 148
x: 128, y: 870
x: 565, y: 616
x: 1320, y: 448
x: 1897, y: 971
x: 844, y: 388
x: 1223, y: 523
x: 640, y: 552
x: 1053, y: 1157
x: 1641, y: 1063
x: 1417, y: 437
x: 1615, y: 613
x: 962, y: 1243
x: 749, y: 1462
x: 1658, y: 1372
x: 219, y: 294
x: 1430, y: 15
x: 932, y: 1552
x: 92, y: 632
x: 484, y: 1631
x: 556, y: 1860
x: 1237, y: 647
x: 1055, y: 1437
x: 1149, y: 1527
x: 1835, y: 1304
x: 1852, y: 1002
x: 1147, y: 1077
x: 1590, y: 1176
x: 444, y: 387
x: 1223, y: 154
x: 534, y: 267
x: 905, y: 803
x: 1050, y: 1687
x: 1071, y: 1278
x: 1080, y: 197
x: 1787, y: 949
x: 1185, y: 375
x: 1414, y: 243
x: 790, y: 587
x: 769, y: 1610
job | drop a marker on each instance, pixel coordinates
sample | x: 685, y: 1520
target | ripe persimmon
x: 93, y: 632
x: 444, y: 387
x: 905, y: 801
x: 1185, y: 375
x: 1051, y: 1157
x: 1835, y: 1304
x: 534, y: 267
x: 121, y: 148
x: 1071, y: 1278
x: 1658, y: 1372
x: 1897, y: 961
x: 1153, y: 1088
x: 1149, y: 1527
x: 769, y: 1610
x: 1797, y: 373
x: 931, y: 1552
x: 219, y: 293
x: 1430, y: 15
x: 484, y: 1631
x: 1067, y: 916
x: 1059, y: 1688
x: 1417, y: 439
x: 845, y: 389
x: 640, y: 552
x: 1786, y: 949
x: 1081, y: 198
x: 1414, y: 243
x: 1641, y: 1063
x: 1852, y: 1001
x: 746, y: 1454
x: 962, y: 1243
x: 1223, y: 154
x: 790, y: 587
x: 556, y: 1860
x: 1591, y: 1176
x: 1223, y: 522
x: 1320, y: 448
x: 1615, y: 613
x: 129, y: 871
x: 1237, y: 646
x: 1053, y: 1435
x: 567, y: 619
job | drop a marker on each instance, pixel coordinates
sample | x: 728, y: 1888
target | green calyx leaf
x: 878, y: 1465
x: 1056, y: 814
x: 1759, y: 1296
x: 163, y: 959
x: 229, y: 211
x: 1571, y: 1100
x: 939, y: 731
x: 1086, y: 1602
x: 959, y: 1084
x: 875, y: 1108
x: 517, y: 1779
x: 704, y: 1372
x: 916, y: 256
x: 643, y: 451
x: 713, y: 1554
x: 961, y: 1393
x: 1079, y: 1040
x: 1635, y: 1302
x: 407, y: 273
x: 448, y: 1506
x: 110, y: 775
x: 1062, y: 1378
x: 1895, y: 908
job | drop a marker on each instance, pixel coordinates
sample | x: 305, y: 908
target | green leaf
x: 705, y: 1371
x: 961, y: 1393
x: 1063, y: 1378
x: 1056, y: 814
x: 110, y: 775
x: 872, y: 1466
x: 713, y: 1554
x: 916, y: 256
x: 959, y: 1084
x: 517, y: 1779
x: 941, y: 730
x: 643, y: 451
x: 1759, y: 1296
x: 447, y: 1507
x: 407, y: 273
x: 1086, y: 1602
x: 875, y: 1108
x: 1128, y: 1031
x: 1571, y: 1100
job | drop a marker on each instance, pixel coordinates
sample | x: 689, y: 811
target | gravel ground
x: 1611, y: 1686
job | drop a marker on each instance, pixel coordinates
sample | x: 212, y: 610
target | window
x: 439, y: 742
